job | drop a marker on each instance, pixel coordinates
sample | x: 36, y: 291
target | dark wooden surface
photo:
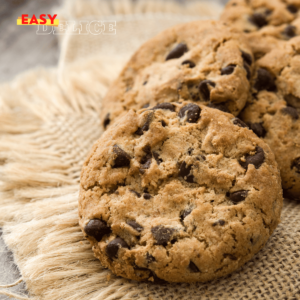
x: 22, y: 49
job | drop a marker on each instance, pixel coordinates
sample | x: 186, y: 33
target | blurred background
x: 22, y: 49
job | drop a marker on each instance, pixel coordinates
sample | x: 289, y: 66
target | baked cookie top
x: 179, y: 192
x: 201, y: 61
x: 274, y: 112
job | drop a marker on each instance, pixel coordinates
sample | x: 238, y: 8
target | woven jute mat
x: 49, y: 120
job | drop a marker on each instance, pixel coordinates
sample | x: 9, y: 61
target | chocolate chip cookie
x: 203, y: 62
x: 274, y: 112
x: 178, y: 192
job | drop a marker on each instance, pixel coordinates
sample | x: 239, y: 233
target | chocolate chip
x: 258, y: 129
x: 258, y: 19
x: 292, y: 8
x: 106, y: 121
x: 228, y: 70
x: 113, y: 247
x: 165, y: 105
x: 136, y: 193
x: 238, y: 122
x: 291, y: 111
x: 135, y: 226
x: 247, y: 68
x: 97, y: 229
x: 200, y: 157
x: 178, y: 51
x: 290, y: 31
x: 292, y: 101
x: 146, y: 105
x: 163, y: 123
x: 204, y: 89
x: 191, y: 111
x: 147, y: 196
x: 185, y: 213
x: 146, y: 126
x: 185, y: 171
x: 193, y: 268
x: 150, y: 258
x: 156, y: 157
x: 219, y: 222
x: 190, y: 151
x: 188, y: 62
x: 268, y: 12
x: 145, y: 82
x: 256, y: 159
x: 219, y: 106
x: 121, y: 158
x: 246, y: 57
x: 265, y: 81
x: 296, y: 164
x: 162, y: 234
x: 147, y: 159
x: 238, y: 196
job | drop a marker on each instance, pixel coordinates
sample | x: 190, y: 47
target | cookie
x: 274, y: 112
x: 178, y: 192
x: 274, y: 107
x: 267, y: 24
x: 201, y: 61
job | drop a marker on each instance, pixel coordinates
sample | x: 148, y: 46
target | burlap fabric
x: 48, y: 122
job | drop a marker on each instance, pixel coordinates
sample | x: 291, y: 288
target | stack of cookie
x: 202, y: 126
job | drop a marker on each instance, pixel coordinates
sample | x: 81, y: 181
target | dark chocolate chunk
x: 106, y: 121
x: 265, y: 81
x: 219, y: 106
x: 113, y: 247
x: 238, y: 196
x: 185, y: 171
x: 292, y: 8
x: 145, y: 82
x: 165, y: 105
x: 146, y: 105
x: 191, y: 111
x: 163, y: 123
x: 162, y: 234
x: 290, y: 31
x: 247, y: 68
x: 147, y: 196
x: 158, y: 280
x: 146, y: 126
x: 178, y: 51
x: 292, y: 101
x: 231, y: 256
x: 193, y: 268
x: 185, y: 213
x: 147, y: 159
x: 135, y: 226
x: 291, y: 111
x: 228, y: 70
x: 136, y: 193
x: 296, y: 165
x: 97, y: 229
x: 156, y: 157
x: 268, y: 12
x: 258, y: 129
x: 257, y: 159
x: 150, y: 258
x: 204, y: 89
x: 188, y: 62
x: 239, y: 122
x: 247, y: 58
x: 258, y: 19
x: 219, y: 222
x: 121, y: 158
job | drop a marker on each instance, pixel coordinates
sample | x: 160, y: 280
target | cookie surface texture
x: 274, y: 110
x: 178, y: 192
x: 201, y: 61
